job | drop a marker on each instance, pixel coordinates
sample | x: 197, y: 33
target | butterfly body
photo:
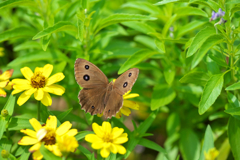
x: 97, y: 94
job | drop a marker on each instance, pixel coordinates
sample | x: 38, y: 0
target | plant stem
x: 39, y: 108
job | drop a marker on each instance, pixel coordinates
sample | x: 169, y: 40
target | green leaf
x: 27, y: 45
x: 195, y: 77
x: 168, y: 24
x: 139, y: 26
x: 208, y: 142
x: 152, y: 145
x: 189, y: 145
x: 144, y: 6
x: 131, y: 145
x: 218, y: 58
x: 48, y: 155
x: 3, y: 126
x: 25, y: 155
x: 199, y: 39
x: 169, y: 74
x: 234, y: 86
x: 9, y: 106
x: 86, y: 152
x: 112, y: 156
x: 210, y: 92
x: 19, y: 123
x: 160, y: 45
x: 233, y: 135
x: 62, y: 115
x: 82, y: 134
x: 189, y: 11
x: 143, y: 127
x: 162, y: 95
x: 45, y: 41
x: 146, y: 41
x: 232, y: 100
x: 233, y: 111
x: 169, y: 1
x: 117, y: 18
x: 60, y: 26
x: 11, y: 3
x: 136, y: 58
x: 38, y: 56
x: 209, y: 3
x: 118, y: 123
x: 20, y: 32
x: 208, y: 44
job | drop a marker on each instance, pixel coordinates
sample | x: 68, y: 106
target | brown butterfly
x: 98, y: 94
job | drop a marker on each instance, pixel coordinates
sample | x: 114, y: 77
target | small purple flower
x: 221, y: 21
x: 221, y: 13
x: 214, y: 16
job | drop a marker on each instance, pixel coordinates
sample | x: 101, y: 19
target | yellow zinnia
x: 67, y: 144
x: 38, y: 83
x: 4, y: 81
x: 48, y: 135
x: 211, y: 154
x: 107, y: 139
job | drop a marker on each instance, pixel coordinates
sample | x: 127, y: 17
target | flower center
x: 108, y: 138
x: 49, y: 138
x: 38, y: 80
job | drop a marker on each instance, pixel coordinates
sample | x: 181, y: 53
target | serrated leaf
x: 60, y: 26
x: 152, y: 145
x: 234, y: 86
x: 14, y: 33
x: 117, y: 18
x: 195, y: 77
x: 136, y: 58
x: 210, y: 92
x: 199, y: 39
x: 208, y: 142
x: 162, y: 95
x: 233, y: 135
x: 206, y: 46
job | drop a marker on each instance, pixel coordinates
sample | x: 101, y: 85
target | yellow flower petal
x: 92, y: 138
x: 126, y: 111
x: 26, y: 140
x: 54, y: 89
x: 106, y: 126
x: 56, y: 151
x: 113, y: 148
x: 23, y: 98
x: 51, y: 122
x: 37, y: 155
x: 47, y: 70
x: 72, y: 132
x: 63, y: 128
x: 6, y: 75
x: 15, y: 91
x: 55, y: 78
x: 38, y: 69
x: 132, y: 95
x: 2, y: 93
x: 22, y: 86
x: 119, y: 114
x: 97, y: 145
x: 35, y: 147
x: 121, y: 149
x: 30, y: 91
x: 4, y: 83
x: 116, y: 132
x: 27, y: 73
x: 47, y: 100
x: 20, y: 81
x: 105, y: 152
x: 38, y: 95
x: 29, y: 132
x: 9, y: 86
x: 130, y: 104
x: 120, y: 140
x: 35, y: 124
x: 97, y: 130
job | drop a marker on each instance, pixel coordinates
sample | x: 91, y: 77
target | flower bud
x: 5, y: 153
x: 4, y: 113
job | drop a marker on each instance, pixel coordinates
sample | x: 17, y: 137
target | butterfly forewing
x: 88, y: 75
x: 125, y: 82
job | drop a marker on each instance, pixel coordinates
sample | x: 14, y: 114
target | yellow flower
x: 1, y: 52
x: 211, y: 154
x: 107, y: 139
x: 38, y: 83
x: 67, y: 144
x: 4, y: 81
x: 126, y: 104
x: 48, y: 135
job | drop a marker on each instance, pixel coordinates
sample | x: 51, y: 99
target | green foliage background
x: 189, y: 70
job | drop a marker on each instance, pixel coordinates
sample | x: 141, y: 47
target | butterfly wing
x: 114, y: 104
x: 125, y: 82
x: 94, y: 84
